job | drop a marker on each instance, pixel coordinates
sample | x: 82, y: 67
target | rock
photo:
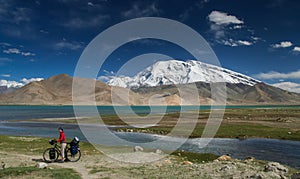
x: 138, y: 149
x: 295, y: 176
x: 227, y: 167
x: 276, y: 168
x: 41, y: 165
x: 168, y: 161
x: 2, y: 165
x: 224, y: 158
x: 262, y: 175
x: 187, y: 163
x: 249, y: 159
x: 158, y: 151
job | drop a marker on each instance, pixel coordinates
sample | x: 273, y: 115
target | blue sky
x: 39, y: 39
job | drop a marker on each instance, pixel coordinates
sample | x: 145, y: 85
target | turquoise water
x: 286, y: 152
x: 37, y: 112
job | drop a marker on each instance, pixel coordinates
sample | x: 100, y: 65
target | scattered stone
x: 224, y: 158
x: 138, y: 149
x: 249, y: 159
x: 261, y: 175
x: 187, y: 163
x: 227, y: 167
x: 275, y: 167
x: 168, y: 161
x: 41, y: 165
x: 258, y: 176
x: 2, y: 165
x: 242, y: 137
x: 295, y: 176
x: 158, y: 151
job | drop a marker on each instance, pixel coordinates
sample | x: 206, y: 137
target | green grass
x: 281, y: 123
x: 100, y: 169
x: 33, y: 172
x: 36, y: 145
x: 195, y: 157
x: 233, y: 130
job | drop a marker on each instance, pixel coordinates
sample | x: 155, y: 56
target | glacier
x: 180, y: 72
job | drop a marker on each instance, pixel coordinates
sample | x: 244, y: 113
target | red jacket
x: 62, y: 137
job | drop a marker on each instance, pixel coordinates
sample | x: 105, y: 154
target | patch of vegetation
x: 36, y: 145
x: 281, y: 123
x: 195, y: 157
x: 100, y: 169
x: 33, y: 172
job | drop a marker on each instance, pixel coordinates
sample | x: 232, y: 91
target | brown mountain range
x: 57, y: 90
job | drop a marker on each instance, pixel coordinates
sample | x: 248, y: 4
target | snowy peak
x: 180, y: 72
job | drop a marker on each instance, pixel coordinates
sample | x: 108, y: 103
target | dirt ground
x: 100, y: 166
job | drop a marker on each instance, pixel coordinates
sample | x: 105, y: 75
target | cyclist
x: 63, y: 143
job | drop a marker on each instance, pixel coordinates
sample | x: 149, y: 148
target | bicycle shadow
x: 38, y: 160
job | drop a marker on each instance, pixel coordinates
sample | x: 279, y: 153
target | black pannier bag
x: 52, y: 154
x: 74, y: 146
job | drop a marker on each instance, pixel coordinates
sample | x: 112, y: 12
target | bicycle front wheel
x: 50, y: 157
x: 73, y: 157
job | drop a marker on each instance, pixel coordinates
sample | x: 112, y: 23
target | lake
x: 283, y: 151
x: 18, y: 112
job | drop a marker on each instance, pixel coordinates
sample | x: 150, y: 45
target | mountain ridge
x: 57, y: 90
x: 180, y: 72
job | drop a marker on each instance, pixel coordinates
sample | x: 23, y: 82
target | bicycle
x: 72, y: 152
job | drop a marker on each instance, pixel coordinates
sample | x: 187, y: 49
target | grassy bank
x: 276, y: 123
x: 179, y: 164
x: 237, y: 123
x: 33, y: 172
x: 35, y: 145
x: 15, y: 152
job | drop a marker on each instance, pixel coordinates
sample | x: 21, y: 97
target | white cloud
x: 141, y: 10
x: 5, y: 44
x: 11, y: 13
x: 64, y: 44
x: 12, y: 50
x: 221, y: 18
x: 44, y: 31
x: 227, y: 29
x: 17, y: 51
x: 296, y: 49
x: 27, y: 54
x: 10, y: 84
x: 108, y: 76
x: 90, y: 4
x: 237, y: 27
x: 5, y: 75
x: 26, y: 81
x: 104, y: 78
x: 235, y: 43
x: 244, y: 42
x: 283, y: 44
x: 16, y: 84
x: 289, y: 86
x: 277, y: 75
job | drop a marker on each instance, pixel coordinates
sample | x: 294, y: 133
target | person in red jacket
x: 63, y: 143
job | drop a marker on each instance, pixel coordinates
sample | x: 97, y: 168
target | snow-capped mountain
x: 180, y: 72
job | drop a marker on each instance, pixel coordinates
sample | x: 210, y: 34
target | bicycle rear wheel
x: 73, y: 158
x: 46, y: 155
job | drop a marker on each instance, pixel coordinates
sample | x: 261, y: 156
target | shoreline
x: 276, y: 123
x: 96, y: 165
x: 204, y: 105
